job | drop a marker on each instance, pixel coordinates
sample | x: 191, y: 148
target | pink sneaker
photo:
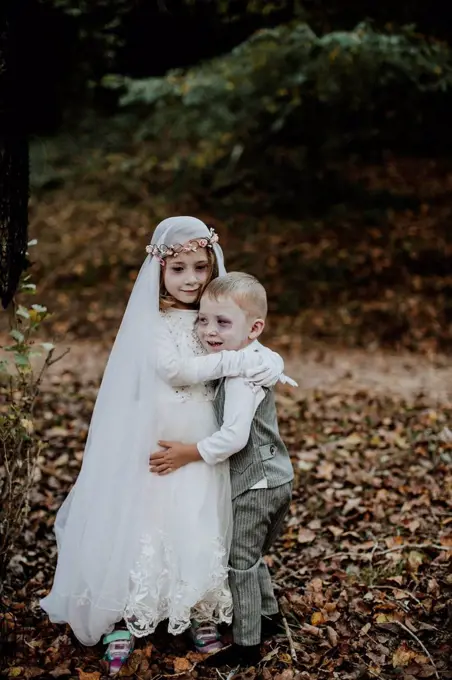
x: 120, y: 646
x: 206, y: 637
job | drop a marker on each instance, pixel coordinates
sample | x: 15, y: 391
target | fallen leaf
x: 394, y: 541
x: 414, y: 525
x: 315, y: 525
x: 33, y: 672
x: 88, y: 676
x: 400, y: 594
x: 132, y: 664
x: 350, y: 505
x: 433, y: 587
x: 305, y: 536
x: 445, y: 435
x: 378, y: 659
x: 181, y: 664
x: 402, y: 656
x: 59, y: 671
x: 352, y: 441
x: 397, y: 579
x: 315, y: 585
x: 325, y: 471
x: 386, y: 618
x: 336, y: 531
x: 415, y: 559
x: 147, y: 651
x: 446, y: 541
x: 312, y: 630
x: 317, y: 618
x: 195, y: 657
x: 285, y: 658
x: 332, y: 636
x: 266, y: 658
x: 401, y: 442
x: 57, y: 432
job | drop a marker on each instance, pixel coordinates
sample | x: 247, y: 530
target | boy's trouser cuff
x: 246, y: 594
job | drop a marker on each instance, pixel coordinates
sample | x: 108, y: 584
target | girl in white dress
x: 134, y: 546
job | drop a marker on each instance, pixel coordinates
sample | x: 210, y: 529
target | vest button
x: 272, y: 449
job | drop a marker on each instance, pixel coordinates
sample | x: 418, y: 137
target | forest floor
x: 360, y: 310
x: 363, y: 569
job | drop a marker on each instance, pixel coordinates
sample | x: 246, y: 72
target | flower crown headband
x: 161, y: 252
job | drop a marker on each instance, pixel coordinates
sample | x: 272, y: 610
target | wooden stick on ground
x: 413, y: 546
x: 293, y: 653
x: 421, y: 645
x: 406, y: 546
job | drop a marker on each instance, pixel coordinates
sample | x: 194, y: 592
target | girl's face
x: 185, y: 275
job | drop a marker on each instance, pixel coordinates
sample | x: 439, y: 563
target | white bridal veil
x: 99, y: 524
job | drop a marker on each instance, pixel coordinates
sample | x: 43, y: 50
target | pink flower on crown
x: 160, y: 252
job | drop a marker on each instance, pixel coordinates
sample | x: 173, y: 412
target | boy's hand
x: 175, y: 456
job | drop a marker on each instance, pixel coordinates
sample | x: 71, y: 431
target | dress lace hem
x: 155, y: 595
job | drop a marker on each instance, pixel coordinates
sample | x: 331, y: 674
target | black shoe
x: 271, y: 625
x: 235, y: 655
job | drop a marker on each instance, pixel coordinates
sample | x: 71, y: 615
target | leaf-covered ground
x: 362, y: 572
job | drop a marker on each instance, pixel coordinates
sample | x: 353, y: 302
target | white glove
x: 263, y: 375
x: 285, y: 380
x: 268, y: 372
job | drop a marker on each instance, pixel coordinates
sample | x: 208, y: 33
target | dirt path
x: 325, y: 369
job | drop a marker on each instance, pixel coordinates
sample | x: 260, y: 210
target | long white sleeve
x: 240, y: 407
x: 179, y: 371
x: 269, y: 356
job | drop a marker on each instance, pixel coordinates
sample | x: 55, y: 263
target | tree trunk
x: 14, y: 159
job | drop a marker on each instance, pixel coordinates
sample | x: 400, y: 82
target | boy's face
x: 222, y: 324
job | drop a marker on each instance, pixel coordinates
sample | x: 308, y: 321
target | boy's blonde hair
x: 244, y: 289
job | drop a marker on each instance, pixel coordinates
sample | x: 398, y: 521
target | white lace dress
x: 181, y: 571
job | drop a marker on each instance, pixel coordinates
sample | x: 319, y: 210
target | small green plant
x: 23, y: 365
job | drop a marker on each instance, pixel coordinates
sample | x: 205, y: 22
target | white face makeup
x: 223, y: 325
x: 184, y: 275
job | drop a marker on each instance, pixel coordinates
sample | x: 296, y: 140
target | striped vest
x: 265, y: 454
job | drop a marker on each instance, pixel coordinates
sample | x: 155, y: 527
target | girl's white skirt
x: 181, y: 571
x: 161, y: 554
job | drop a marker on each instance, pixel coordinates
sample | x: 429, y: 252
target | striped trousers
x: 258, y: 520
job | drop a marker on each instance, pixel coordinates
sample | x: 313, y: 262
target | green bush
x: 286, y: 87
x: 20, y: 384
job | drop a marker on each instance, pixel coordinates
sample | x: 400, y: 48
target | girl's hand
x: 173, y: 457
x: 263, y: 368
x: 267, y: 371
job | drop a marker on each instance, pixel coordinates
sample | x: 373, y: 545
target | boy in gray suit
x: 231, y: 317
